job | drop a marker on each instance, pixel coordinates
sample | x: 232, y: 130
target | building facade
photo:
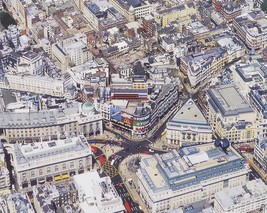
x: 247, y: 198
x: 188, y: 126
x: 100, y: 196
x: 4, y: 173
x: 252, y: 29
x: 42, y: 162
x: 54, y: 124
x: 260, y: 153
x: 229, y: 114
x: 172, y: 180
x: 132, y: 9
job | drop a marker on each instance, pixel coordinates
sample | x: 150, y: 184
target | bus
x: 164, y: 132
x: 102, y: 159
x: 127, y: 207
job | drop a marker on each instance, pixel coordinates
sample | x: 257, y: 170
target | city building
x: 54, y: 198
x: 55, y: 160
x: 71, y: 51
x: 229, y: 114
x: 60, y: 123
x: 19, y: 202
x: 132, y: 10
x: 180, y: 13
x: 247, y: 198
x: 188, y: 126
x: 260, y: 152
x: 100, y: 196
x: 102, y: 16
x: 201, y: 67
x: 252, y: 29
x: 175, y: 179
x: 246, y: 76
x: 231, y: 10
x: 35, y: 84
x: 4, y: 173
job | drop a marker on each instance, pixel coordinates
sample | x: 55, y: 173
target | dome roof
x: 88, y: 107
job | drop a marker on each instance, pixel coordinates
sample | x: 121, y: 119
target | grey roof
x: 21, y: 203
x: 168, y: 164
x: 189, y: 114
x: 228, y: 101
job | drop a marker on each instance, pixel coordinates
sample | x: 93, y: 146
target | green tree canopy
x: 6, y: 19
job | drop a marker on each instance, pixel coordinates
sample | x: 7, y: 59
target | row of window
x: 51, y: 169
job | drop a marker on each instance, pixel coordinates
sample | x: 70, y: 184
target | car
x: 151, y: 150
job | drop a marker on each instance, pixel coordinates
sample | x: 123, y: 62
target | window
x: 32, y: 173
x: 72, y: 164
x: 80, y: 163
x: 64, y: 166
x: 40, y: 171
x: 48, y: 170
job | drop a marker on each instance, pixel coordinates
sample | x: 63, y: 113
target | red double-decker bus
x: 127, y: 206
x: 102, y: 159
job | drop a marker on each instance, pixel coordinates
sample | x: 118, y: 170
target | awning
x: 58, y: 177
x: 65, y: 176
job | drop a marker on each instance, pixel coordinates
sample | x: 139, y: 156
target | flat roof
x: 228, y: 100
x: 191, y: 165
x: 232, y: 196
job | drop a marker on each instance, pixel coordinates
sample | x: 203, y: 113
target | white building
x: 230, y: 115
x: 260, y: 153
x: 51, y: 124
x: 71, y: 51
x: 37, y: 163
x: 252, y: 29
x: 35, y: 84
x: 133, y: 9
x: 100, y: 196
x: 4, y: 173
x: 247, y: 198
x: 171, y: 180
x: 188, y: 126
x: 32, y: 62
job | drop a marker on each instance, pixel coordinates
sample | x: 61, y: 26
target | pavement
x: 108, y: 149
x: 127, y: 172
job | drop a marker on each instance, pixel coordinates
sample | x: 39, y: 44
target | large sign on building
x: 121, y: 118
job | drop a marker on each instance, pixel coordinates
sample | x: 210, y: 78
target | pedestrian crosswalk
x: 109, y: 170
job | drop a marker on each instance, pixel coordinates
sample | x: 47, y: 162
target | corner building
x: 44, y: 162
x: 171, y: 180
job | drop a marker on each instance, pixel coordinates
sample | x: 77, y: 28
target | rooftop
x: 100, y: 192
x: 189, y: 114
x: 228, y: 101
x: 31, y: 152
x: 22, y: 203
x: 190, y: 166
x: 241, y: 194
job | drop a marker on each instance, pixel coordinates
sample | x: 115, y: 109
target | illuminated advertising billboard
x: 115, y: 114
x: 122, y: 118
x: 127, y: 119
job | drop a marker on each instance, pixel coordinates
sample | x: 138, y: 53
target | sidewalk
x: 108, y: 150
x: 126, y: 174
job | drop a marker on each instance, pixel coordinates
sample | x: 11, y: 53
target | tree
x: 6, y: 19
